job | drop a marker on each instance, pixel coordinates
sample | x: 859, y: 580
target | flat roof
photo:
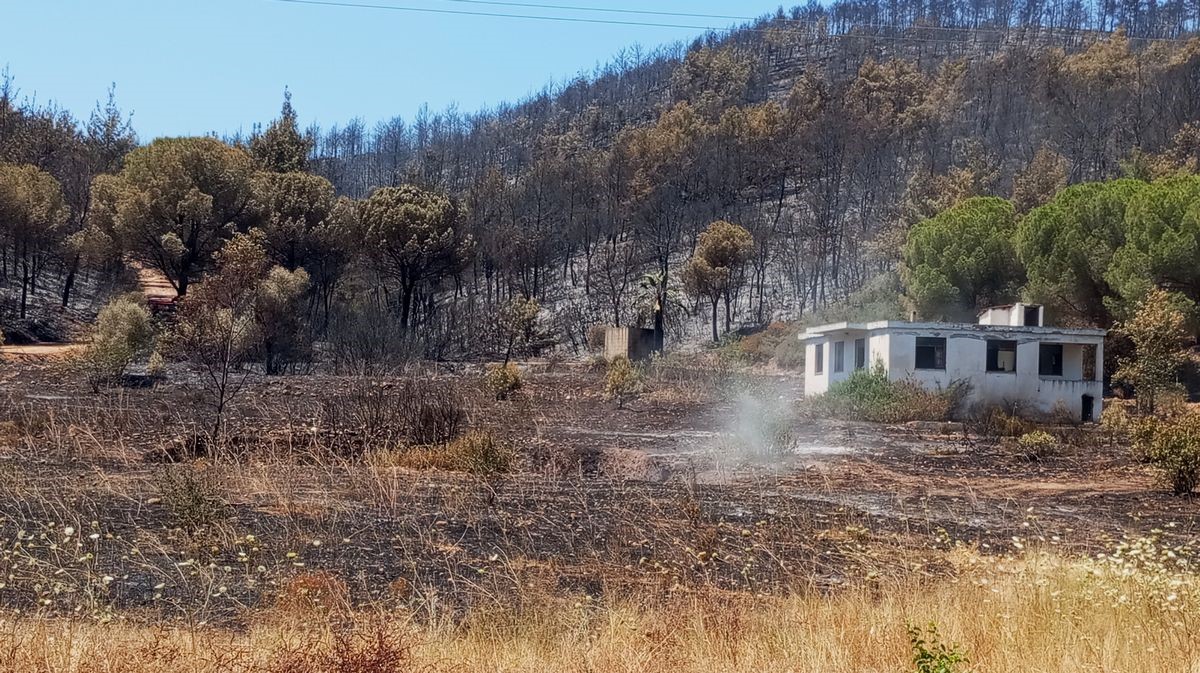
x: 1093, y: 333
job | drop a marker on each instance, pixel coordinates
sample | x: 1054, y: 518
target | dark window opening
x: 1089, y: 362
x: 839, y: 356
x: 1001, y: 356
x: 1050, y: 360
x: 1031, y: 316
x: 931, y: 353
x: 818, y: 358
x: 860, y: 353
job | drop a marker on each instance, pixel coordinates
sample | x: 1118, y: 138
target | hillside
x: 824, y: 133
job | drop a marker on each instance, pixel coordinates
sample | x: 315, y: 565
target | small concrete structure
x: 635, y: 343
x: 1009, y: 356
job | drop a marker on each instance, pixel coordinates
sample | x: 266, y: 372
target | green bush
x: 930, y: 654
x: 623, y: 381
x: 502, y: 380
x: 1169, y: 441
x: 1172, y: 446
x: 1037, y: 444
x: 194, y: 496
x: 123, y: 331
x: 868, y: 394
x: 157, y: 366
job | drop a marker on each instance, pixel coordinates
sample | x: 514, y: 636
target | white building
x: 1009, y: 356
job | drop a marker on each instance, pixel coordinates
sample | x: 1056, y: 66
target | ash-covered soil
x: 705, y: 481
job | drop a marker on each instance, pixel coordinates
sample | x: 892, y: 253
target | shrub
x: 930, y: 654
x: 1170, y: 442
x: 478, y: 452
x: 416, y: 412
x: 194, y: 497
x: 503, y: 380
x: 433, y: 412
x: 312, y: 595
x: 789, y: 354
x: 871, y: 396
x: 1116, y: 423
x: 379, y: 650
x: 1002, y: 420
x: 762, y: 346
x: 1037, y: 445
x: 1172, y: 446
x: 730, y: 355
x: 481, y: 453
x: 367, y: 339
x: 123, y: 331
x: 157, y: 366
x: 623, y: 381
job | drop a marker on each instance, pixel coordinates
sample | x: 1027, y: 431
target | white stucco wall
x: 966, y: 359
x: 814, y: 383
x: 1011, y: 316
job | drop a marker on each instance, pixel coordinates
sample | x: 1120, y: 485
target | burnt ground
x: 708, y: 481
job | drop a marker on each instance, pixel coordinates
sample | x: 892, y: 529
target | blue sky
x: 192, y: 66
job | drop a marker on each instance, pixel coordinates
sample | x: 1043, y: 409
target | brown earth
x: 664, y: 496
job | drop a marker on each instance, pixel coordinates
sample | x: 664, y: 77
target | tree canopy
x: 416, y: 237
x: 174, y: 203
x: 963, y: 258
x: 1068, y: 244
x: 33, y: 215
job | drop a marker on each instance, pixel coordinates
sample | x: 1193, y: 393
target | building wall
x: 1012, y: 316
x: 815, y: 384
x: 966, y: 359
x: 634, y: 343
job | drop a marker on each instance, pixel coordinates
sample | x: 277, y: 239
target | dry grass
x: 1134, y: 613
x: 292, y: 554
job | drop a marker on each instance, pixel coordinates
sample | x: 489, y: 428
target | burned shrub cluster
x: 385, y: 416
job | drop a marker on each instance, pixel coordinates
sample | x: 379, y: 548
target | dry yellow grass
x: 1133, y: 613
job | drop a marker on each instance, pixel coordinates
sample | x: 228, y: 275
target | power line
x: 801, y: 22
x: 606, y: 10
x: 428, y: 10
x: 965, y: 32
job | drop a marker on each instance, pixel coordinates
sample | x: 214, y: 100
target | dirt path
x: 151, y: 283
x: 27, y: 352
